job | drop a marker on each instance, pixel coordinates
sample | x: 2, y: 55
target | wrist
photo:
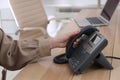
x: 52, y: 43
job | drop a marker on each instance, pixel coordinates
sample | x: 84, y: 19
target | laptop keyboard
x: 94, y: 20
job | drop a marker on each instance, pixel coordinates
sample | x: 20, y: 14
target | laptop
x: 103, y: 19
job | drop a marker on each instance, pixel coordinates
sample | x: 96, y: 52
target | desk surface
x: 45, y: 69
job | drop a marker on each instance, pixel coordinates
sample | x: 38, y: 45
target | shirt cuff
x: 44, y: 46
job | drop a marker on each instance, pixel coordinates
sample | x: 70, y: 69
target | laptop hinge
x: 103, y: 20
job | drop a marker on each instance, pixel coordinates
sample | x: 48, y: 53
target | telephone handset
x: 88, y: 30
x: 87, y: 52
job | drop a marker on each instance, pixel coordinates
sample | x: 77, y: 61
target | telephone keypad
x: 77, y: 59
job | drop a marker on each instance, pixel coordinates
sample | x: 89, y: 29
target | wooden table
x: 45, y: 69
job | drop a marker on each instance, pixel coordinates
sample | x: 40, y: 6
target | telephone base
x: 100, y: 61
x: 103, y: 62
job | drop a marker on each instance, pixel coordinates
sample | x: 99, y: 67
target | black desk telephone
x: 87, y: 52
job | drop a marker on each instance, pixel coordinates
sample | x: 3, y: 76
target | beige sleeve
x: 16, y: 54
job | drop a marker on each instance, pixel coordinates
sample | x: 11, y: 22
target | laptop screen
x: 109, y: 9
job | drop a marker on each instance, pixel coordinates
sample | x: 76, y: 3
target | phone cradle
x: 99, y: 61
x: 87, y: 52
x: 102, y: 61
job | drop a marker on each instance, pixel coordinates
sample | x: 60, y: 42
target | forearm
x: 16, y: 54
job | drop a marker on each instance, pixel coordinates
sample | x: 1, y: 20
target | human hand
x: 62, y: 40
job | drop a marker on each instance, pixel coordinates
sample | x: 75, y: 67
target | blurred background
x: 56, y: 8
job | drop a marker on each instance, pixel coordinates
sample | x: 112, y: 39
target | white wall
x: 4, y: 4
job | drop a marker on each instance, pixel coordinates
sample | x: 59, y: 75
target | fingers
x: 71, y: 34
x: 76, y: 42
x: 76, y: 32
